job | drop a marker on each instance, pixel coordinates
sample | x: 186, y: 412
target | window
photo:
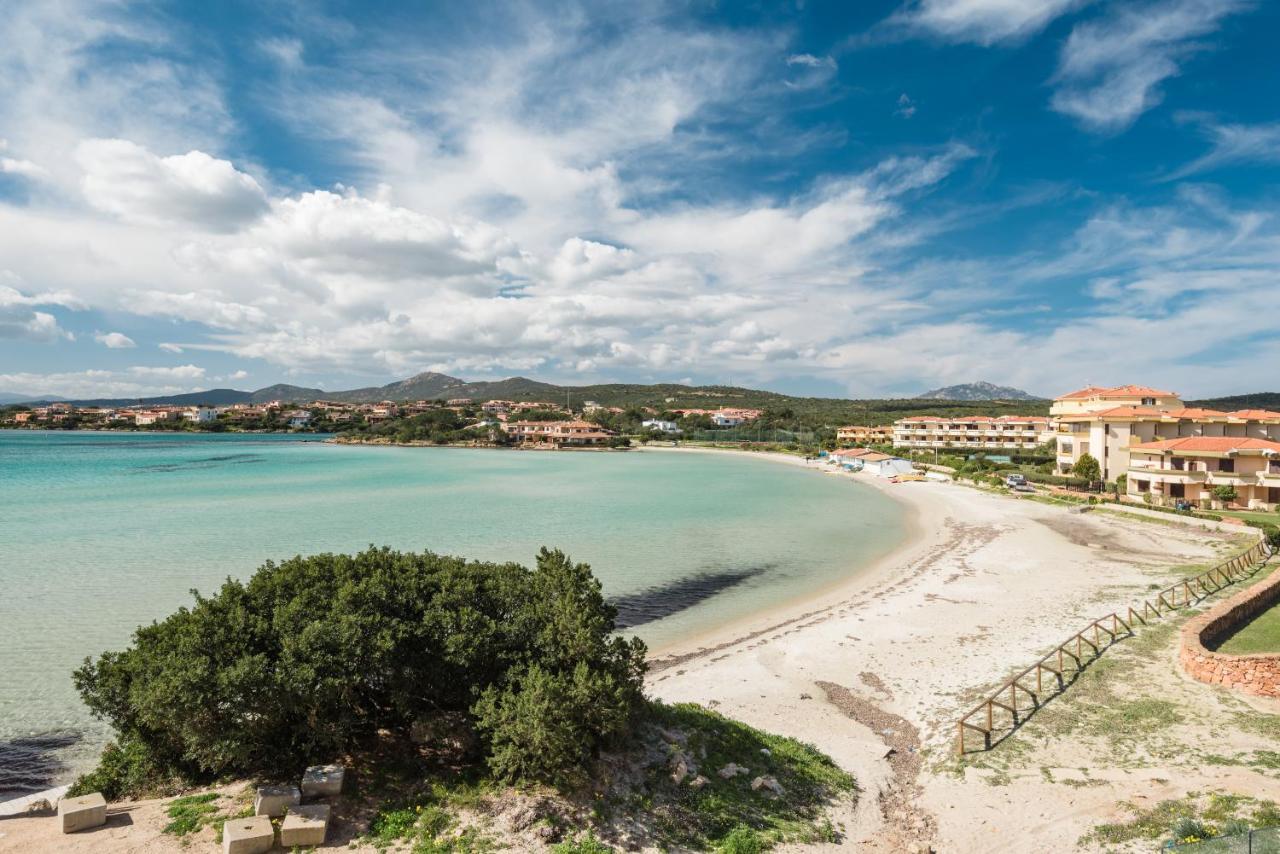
x: 1227, y: 465
x: 1178, y: 464
x: 1177, y: 490
x: 1148, y: 401
x: 1143, y: 485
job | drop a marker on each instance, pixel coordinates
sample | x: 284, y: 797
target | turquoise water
x: 101, y: 532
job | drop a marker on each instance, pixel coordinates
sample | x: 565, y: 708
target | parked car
x: 1015, y: 481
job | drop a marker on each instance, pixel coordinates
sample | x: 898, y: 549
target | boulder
x: 769, y: 785
x: 40, y: 806
x: 732, y: 770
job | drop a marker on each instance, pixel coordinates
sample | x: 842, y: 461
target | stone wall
x: 1252, y: 674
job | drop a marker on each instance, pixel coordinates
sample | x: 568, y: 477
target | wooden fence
x: 1015, y: 700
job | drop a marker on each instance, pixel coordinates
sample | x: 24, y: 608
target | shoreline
x: 917, y: 539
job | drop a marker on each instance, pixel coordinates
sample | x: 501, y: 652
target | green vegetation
x: 1087, y: 469
x: 190, y: 813
x: 439, y: 426
x: 314, y: 656
x: 1262, y: 634
x: 1194, y: 818
x: 584, y: 844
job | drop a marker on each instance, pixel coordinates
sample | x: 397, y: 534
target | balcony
x: 1160, y: 475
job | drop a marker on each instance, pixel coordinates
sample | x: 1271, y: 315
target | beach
x: 875, y: 668
x: 877, y: 671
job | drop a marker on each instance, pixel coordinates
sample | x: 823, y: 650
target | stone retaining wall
x: 1253, y: 674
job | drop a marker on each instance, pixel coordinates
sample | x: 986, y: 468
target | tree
x: 1225, y: 493
x: 1087, y: 468
x: 313, y: 656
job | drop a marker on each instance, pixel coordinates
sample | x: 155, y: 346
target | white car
x: 1015, y: 481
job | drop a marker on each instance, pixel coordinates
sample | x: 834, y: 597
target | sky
x: 836, y: 199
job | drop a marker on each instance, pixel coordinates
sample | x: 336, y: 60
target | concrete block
x: 321, y: 781
x: 305, y: 825
x: 274, y: 800
x: 83, y: 812
x: 252, y: 835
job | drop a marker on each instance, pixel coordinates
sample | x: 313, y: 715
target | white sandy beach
x: 888, y: 661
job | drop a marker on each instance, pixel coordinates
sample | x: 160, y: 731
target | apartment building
x: 975, y: 432
x: 1108, y: 423
x: 859, y: 434
x: 1190, y: 469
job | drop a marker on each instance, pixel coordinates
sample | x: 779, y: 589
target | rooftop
x: 1209, y: 445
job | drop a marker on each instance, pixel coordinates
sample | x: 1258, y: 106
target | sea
x: 101, y: 532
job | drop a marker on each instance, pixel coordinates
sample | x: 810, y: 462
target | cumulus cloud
x: 114, y: 340
x: 194, y: 189
x: 94, y: 383
x: 17, y: 166
x: 1110, y: 69
x: 177, y: 372
x: 169, y: 347
x: 983, y: 22
x: 20, y: 319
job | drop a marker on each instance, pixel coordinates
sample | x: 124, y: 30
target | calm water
x: 100, y: 532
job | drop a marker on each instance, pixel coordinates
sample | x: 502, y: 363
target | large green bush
x: 314, y: 655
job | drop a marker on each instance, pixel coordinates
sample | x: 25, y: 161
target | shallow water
x: 101, y: 532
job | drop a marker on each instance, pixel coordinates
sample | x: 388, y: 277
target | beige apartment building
x: 1108, y: 423
x: 975, y: 432
x: 1174, y: 470
x: 859, y: 434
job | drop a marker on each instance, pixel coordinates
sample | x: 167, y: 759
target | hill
x: 10, y: 397
x: 1258, y: 400
x: 978, y: 391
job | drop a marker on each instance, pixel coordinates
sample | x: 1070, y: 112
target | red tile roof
x: 1209, y: 444
x: 1255, y: 414
x: 1118, y: 391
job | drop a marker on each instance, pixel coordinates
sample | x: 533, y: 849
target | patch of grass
x: 1261, y: 634
x: 190, y: 813
x: 729, y: 812
x: 742, y: 840
x: 1194, y: 818
x: 586, y: 844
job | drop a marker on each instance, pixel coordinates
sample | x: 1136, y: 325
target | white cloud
x: 20, y: 319
x: 906, y: 107
x: 114, y: 340
x: 178, y: 372
x: 1110, y: 69
x: 983, y: 22
x: 1233, y: 144
x: 94, y: 383
x: 123, y: 178
x: 169, y: 347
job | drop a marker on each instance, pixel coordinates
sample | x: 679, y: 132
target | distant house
x: 558, y: 433
x: 660, y: 425
x: 200, y: 414
x: 299, y: 418
x: 733, y: 417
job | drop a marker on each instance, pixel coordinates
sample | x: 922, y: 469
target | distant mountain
x: 977, y: 391
x: 212, y: 397
x: 9, y: 397
x: 1258, y: 400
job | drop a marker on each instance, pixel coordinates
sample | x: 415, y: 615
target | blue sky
x: 822, y: 198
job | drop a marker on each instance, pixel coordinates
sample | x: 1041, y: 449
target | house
x: 859, y: 434
x: 298, y: 418
x: 1107, y: 430
x: 154, y: 416
x: 661, y: 426
x: 1191, y: 468
x: 558, y: 433
x: 975, y: 432
x: 200, y: 414
x: 733, y: 417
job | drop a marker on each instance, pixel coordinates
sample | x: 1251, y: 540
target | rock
x: 732, y: 770
x: 671, y: 736
x: 769, y: 785
x: 83, y: 812
x: 305, y: 826
x: 40, y: 806
x: 766, y: 751
x: 322, y: 781
x: 805, y: 697
x: 679, y: 771
x: 274, y: 800
x: 698, y: 782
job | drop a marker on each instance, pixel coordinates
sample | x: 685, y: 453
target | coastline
x: 917, y: 539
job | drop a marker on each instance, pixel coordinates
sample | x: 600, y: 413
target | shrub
x: 1192, y: 830
x: 742, y: 840
x: 587, y: 844
x: 126, y: 767
x: 1086, y: 468
x: 1226, y: 492
x: 315, y: 655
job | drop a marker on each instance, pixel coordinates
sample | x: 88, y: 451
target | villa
x: 1109, y: 424
x: 558, y: 433
x: 1192, y: 468
x: 660, y: 425
x: 975, y: 432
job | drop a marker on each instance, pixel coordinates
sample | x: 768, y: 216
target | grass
x: 1251, y: 515
x: 1195, y: 816
x: 1261, y: 634
x: 190, y: 813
